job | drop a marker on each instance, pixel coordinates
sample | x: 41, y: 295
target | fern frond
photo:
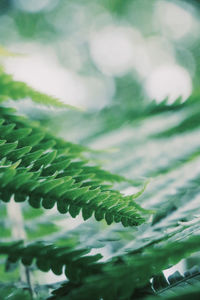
x: 188, y: 123
x: 45, y: 170
x: 122, y: 276
x: 76, y: 262
x: 15, y: 291
x: 188, y: 291
x: 176, y: 283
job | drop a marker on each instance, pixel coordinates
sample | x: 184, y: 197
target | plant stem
x: 15, y: 216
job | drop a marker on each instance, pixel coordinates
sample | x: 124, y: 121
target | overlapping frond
x: 76, y: 262
x: 176, y: 283
x: 121, y: 277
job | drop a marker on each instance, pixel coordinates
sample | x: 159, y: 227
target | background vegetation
x: 100, y: 194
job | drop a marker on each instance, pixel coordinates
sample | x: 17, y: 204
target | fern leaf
x: 176, y: 283
x: 125, y: 274
x: 47, y: 176
x: 49, y: 257
x: 15, y: 292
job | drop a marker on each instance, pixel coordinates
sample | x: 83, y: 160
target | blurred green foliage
x: 132, y: 133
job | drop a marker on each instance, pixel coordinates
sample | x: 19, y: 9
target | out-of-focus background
x: 94, y: 53
x: 130, y: 67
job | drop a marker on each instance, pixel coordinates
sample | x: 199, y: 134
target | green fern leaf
x: 45, y: 176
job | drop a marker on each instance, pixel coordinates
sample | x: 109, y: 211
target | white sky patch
x: 34, y: 5
x: 49, y: 277
x: 170, y: 81
x: 130, y: 190
x: 45, y: 74
x: 99, y: 91
x: 180, y: 267
x: 112, y: 49
x: 117, y: 50
x: 151, y: 53
x: 174, y: 20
